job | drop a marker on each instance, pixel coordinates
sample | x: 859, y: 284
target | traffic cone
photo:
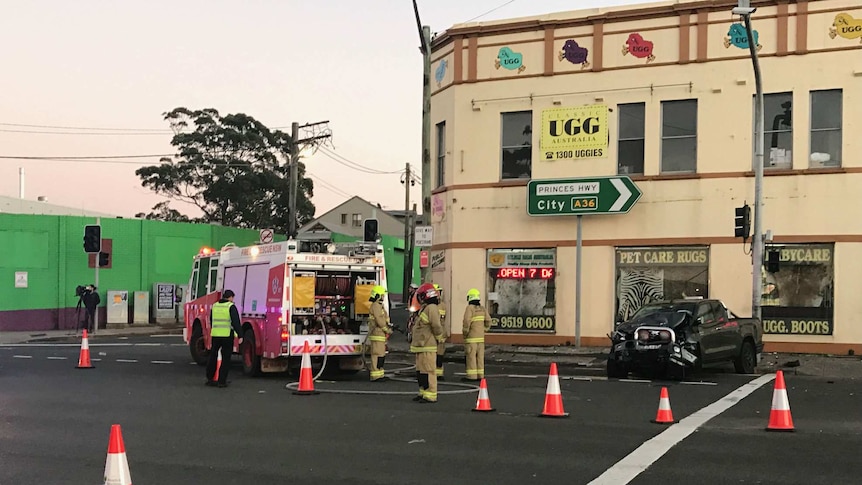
x: 664, y: 414
x: 779, y: 417
x: 84, y: 357
x: 553, y: 398
x: 484, y: 402
x: 306, y: 380
x: 116, y: 465
x: 218, y: 366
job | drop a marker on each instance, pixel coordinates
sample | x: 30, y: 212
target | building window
x: 630, y: 147
x: 679, y: 136
x: 777, y: 130
x: 521, y: 290
x: 798, y: 289
x: 343, y: 219
x: 646, y: 275
x: 517, y: 146
x: 441, y: 153
x: 357, y: 220
x: 826, y: 112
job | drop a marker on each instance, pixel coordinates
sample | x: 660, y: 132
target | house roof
x: 14, y: 205
x: 381, y: 213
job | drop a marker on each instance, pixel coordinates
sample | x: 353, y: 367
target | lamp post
x: 745, y: 10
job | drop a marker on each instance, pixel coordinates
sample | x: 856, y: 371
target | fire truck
x: 288, y: 293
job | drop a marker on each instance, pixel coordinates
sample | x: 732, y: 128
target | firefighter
x: 477, y: 321
x: 427, y: 333
x: 441, y: 347
x: 378, y: 332
x: 224, y: 319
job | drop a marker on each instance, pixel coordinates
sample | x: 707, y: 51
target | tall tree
x: 233, y: 168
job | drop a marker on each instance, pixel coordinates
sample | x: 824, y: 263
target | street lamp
x: 745, y: 10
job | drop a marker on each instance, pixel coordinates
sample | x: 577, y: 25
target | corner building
x: 663, y: 94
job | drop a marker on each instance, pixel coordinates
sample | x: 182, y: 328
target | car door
x: 709, y: 330
x: 730, y: 338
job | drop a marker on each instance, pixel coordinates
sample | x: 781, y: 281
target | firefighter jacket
x: 477, y: 321
x: 378, y: 324
x: 224, y: 316
x: 427, y: 331
x: 443, y: 321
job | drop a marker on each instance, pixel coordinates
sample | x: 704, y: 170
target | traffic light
x: 742, y: 227
x: 370, y: 232
x: 772, y: 261
x: 92, y: 238
x: 104, y: 259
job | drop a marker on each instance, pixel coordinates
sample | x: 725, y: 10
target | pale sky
x: 121, y: 64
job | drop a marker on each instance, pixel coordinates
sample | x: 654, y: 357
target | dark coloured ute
x: 673, y: 337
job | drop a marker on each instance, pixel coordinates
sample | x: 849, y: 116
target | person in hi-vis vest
x: 224, y: 322
x: 477, y: 321
x: 378, y: 332
x: 441, y: 347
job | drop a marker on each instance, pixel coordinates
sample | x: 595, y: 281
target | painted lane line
x: 177, y: 345
x: 96, y: 360
x: 149, y: 345
x: 636, y: 380
x: 69, y: 345
x: 165, y: 335
x: 699, y: 383
x: 127, y: 360
x: 23, y: 356
x: 161, y: 362
x: 625, y: 470
x: 51, y: 357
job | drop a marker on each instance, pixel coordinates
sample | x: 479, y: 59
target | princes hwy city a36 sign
x: 571, y: 197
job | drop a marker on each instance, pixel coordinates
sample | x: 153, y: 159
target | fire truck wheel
x: 250, y: 361
x: 198, y: 347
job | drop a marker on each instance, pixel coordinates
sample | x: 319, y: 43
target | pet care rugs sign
x: 575, y: 133
x: 663, y: 257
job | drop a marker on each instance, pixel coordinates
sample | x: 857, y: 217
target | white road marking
x: 699, y: 383
x: 127, y: 360
x: 165, y: 335
x: 635, y: 380
x: 177, y: 345
x: 149, y: 345
x: 625, y: 470
x: 161, y: 362
x: 70, y: 345
x: 51, y: 357
x: 96, y: 360
x: 23, y: 356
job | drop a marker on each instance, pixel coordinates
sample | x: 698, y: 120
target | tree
x: 233, y: 168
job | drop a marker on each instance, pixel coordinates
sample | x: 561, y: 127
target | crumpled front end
x: 650, y: 348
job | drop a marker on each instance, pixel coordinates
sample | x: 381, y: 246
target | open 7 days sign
x: 574, y: 197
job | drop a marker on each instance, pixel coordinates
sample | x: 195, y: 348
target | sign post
x: 579, y: 197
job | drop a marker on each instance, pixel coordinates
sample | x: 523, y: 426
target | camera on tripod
x: 81, y: 290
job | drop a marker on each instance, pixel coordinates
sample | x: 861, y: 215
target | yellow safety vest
x: 221, y: 320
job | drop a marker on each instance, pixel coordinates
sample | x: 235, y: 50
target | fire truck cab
x: 287, y: 293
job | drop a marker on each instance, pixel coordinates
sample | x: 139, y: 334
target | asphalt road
x: 55, y: 421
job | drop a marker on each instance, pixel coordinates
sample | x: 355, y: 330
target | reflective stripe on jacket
x: 426, y: 329
x: 221, y: 319
x: 476, y: 322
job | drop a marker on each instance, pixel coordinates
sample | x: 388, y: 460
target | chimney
x: 20, y: 182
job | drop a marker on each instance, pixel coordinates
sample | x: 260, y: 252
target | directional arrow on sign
x: 584, y: 196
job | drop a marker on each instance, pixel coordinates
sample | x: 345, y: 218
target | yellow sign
x: 847, y: 27
x: 575, y: 133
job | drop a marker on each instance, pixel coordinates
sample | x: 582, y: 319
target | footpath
x: 843, y: 367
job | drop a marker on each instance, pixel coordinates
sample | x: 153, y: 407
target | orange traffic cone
x: 553, y: 398
x: 780, y: 418
x: 116, y: 465
x: 664, y: 414
x: 306, y: 380
x: 218, y: 366
x: 484, y: 402
x: 84, y: 358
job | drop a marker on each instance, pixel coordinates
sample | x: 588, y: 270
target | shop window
x: 679, y: 136
x: 777, y: 131
x: 797, y: 296
x: 441, y: 153
x: 646, y: 275
x: 521, y: 290
x: 826, y: 112
x: 517, y: 146
x: 630, y: 146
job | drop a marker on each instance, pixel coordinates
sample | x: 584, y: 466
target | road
x: 55, y: 420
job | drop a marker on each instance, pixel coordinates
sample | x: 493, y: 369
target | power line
x: 85, y: 128
x: 96, y: 157
x: 489, y: 11
x: 118, y: 133
x: 355, y: 165
x: 328, y: 186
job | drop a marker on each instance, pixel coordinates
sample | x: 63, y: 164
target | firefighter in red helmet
x: 427, y: 333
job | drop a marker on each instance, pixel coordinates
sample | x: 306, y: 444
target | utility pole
x: 296, y: 145
x: 408, y: 274
x: 745, y: 10
x: 425, y: 48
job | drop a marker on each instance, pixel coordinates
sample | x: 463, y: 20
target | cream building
x: 664, y: 94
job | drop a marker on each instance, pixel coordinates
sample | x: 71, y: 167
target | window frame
x: 767, y: 132
x: 678, y: 137
x: 812, y: 130
x: 503, y: 147
x: 620, y: 139
x: 441, y: 153
x: 356, y: 220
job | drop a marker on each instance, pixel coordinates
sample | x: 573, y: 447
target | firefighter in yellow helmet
x: 378, y: 332
x: 441, y: 347
x: 477, y: 321
x: 427, y: 333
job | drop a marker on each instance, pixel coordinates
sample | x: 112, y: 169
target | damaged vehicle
x: 672, y: 338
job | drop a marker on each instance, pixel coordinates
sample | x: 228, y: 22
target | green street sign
x: 575, y: 197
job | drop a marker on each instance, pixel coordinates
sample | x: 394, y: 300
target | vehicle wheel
x: 616, y: 371
x: 198, y: 347
x: 250, y: 360
x: 746, y: 362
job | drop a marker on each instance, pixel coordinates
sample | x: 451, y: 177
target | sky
x: 94, y: 78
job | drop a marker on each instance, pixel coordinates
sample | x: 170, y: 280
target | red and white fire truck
x: 288, y: 293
